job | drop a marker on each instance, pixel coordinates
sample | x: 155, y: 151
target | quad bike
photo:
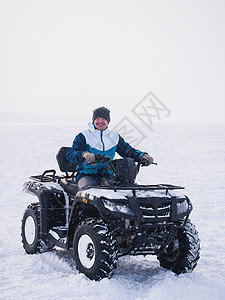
x: 103, y: 223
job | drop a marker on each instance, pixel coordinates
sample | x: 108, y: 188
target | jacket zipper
x: 103, y: 146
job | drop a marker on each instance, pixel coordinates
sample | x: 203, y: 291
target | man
x: 98, y: 139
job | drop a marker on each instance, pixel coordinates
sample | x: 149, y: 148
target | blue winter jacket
x: 95, y: 141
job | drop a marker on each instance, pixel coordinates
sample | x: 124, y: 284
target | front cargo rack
x: 139, y: 187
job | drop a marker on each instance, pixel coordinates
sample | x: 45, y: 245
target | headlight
x: 117, y: 207
x: 182, y: 207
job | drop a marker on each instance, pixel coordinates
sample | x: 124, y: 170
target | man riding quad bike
x: 99, y: 139
x: 108, y: 215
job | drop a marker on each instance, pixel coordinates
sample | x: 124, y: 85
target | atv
x: 102, y: 223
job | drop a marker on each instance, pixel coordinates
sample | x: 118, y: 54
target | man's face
x: 100, y: 123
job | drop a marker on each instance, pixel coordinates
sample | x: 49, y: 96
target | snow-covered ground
x: 189, y: 155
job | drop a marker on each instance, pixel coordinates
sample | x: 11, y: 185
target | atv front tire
x: 30, y: 231
x: 182, y: 255
x: 94, y: 249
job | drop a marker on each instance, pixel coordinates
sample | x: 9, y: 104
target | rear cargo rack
x: 47, y: 176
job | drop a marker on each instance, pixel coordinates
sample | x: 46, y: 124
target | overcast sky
x: 67, y: 57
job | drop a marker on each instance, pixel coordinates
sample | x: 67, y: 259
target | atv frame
x: 103, y: 223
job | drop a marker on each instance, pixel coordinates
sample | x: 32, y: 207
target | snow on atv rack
x: 141, y: 187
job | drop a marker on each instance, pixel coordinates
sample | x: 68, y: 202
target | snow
x: 188, y: 155
x: 123, y: 194
x: 110, y: 194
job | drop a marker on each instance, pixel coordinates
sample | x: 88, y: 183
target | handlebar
x: 152, y: 163
x: 106, y: 159
x: 139, y: 164
x: 99, y: 158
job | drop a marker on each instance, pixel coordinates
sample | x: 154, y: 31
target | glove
x: 89, y: 157
x: 146, y: 159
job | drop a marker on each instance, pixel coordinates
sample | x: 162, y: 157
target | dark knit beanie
x: 101, y: 112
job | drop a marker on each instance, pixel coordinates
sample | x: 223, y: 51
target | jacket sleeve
x: 74, y: 154
x: 125, y: 150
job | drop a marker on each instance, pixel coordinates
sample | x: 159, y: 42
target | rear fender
x: 49, y: 199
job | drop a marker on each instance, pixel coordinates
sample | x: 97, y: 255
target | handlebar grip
x: 143, y: 164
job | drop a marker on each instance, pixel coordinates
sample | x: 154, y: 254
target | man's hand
x: 89, y: 157
x: 146, y: 159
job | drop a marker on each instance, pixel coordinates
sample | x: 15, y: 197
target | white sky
x: 68, y: 57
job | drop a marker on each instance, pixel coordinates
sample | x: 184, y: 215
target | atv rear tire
x: 30, y: 231
x: 182, y: 255
x: 94, y: 249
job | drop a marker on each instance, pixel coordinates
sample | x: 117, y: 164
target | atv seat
x: 65, y: 165
x: 69, y: 185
